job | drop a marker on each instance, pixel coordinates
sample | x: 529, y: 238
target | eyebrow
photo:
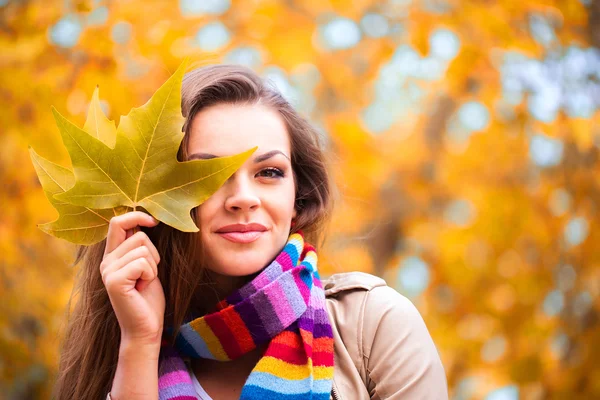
x: 257, y: 159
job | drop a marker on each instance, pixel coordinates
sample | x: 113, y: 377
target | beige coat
x: 382, y: 347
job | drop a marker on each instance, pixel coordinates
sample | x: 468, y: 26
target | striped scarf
x: 283, y: 306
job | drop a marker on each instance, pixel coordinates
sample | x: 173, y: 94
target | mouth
x: 241, y: 237
x: 242, y: 233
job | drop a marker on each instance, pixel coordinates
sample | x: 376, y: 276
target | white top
x: 200, y: 392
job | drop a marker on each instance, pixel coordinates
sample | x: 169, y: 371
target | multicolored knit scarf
x: 283, y: 306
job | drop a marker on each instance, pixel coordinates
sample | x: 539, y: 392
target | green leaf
x: 98, y: 125
x: 140, y: 171
x: 76, y: 224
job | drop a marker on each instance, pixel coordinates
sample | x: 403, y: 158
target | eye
x: 271, y: 173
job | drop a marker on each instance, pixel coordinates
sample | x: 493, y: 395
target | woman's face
x: 261, y: 192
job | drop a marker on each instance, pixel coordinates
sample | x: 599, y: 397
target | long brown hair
x: 89, y: 350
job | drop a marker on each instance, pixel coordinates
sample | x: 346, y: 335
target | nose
x: 241, y: 195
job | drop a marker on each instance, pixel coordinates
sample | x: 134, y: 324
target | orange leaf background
x: 463, y: 137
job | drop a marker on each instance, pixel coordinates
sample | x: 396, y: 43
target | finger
x: 118, y: 226
x: 138, y: 252
x: 138, y: 239
x: 131, y: 232
x: 128, y: 276
x: 142, y: 284
x: 141, y: 239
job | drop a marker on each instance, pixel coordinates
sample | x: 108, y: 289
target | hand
x: 130, y: 274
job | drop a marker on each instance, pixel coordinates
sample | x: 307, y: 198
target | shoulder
x: 386, y: 337
x: 370, y: 296
x: 347, y: 281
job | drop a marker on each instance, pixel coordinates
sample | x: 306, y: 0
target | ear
x: 295, y: 213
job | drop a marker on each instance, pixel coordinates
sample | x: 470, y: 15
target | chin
x: 237, y: 260
x: 240, y: 264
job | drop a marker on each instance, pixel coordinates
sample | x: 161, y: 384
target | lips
x: 242, y: 233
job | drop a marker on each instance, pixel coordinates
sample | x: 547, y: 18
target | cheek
x: 206, y: 211
x: 286, y: 202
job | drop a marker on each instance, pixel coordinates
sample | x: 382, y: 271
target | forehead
x: 228, y: 129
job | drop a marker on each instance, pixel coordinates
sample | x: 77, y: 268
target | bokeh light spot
x: 580, y: 104
x: 413, y: 276
x: 121, y: 32
x: 582, y: 303
x: 559, y: 202
x: 375, y: 25
x: 277, y: 77
x: 466, y: 388
x: 553, y: 303
x: 306, y: 75
x: 340, y: 33
x: 474, y: 116
x: 377, y: 118
x: 66, y: 32
x: 577, y: 231
x: 431, y: 69
x: 541, y: 30
x: 545, y: 151
x: 460, y: 213
x: 200, y: 7
x: 97, y: 17
x: 248, y: 56
x: 444, y: 44
x: 493, y: 349
x: 510, y: 392
x: 565, y: 277
x: 213, y: 36
x: 559, y: 345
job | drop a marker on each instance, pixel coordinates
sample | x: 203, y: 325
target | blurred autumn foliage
x: 464, y: 138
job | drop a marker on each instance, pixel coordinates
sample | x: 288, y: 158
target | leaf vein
x: 150, y: 143
x: 92, y: 160
x: 133, y: 147
x: 167, y: 211
x: 185, y: 184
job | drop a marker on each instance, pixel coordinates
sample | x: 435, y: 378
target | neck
x: 215, y: 288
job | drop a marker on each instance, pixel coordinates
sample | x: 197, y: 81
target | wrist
x: 139, y: 348
x: 136, y: 376
x: 148, y: 341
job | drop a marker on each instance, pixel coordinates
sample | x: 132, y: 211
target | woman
x: 237, y: 310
